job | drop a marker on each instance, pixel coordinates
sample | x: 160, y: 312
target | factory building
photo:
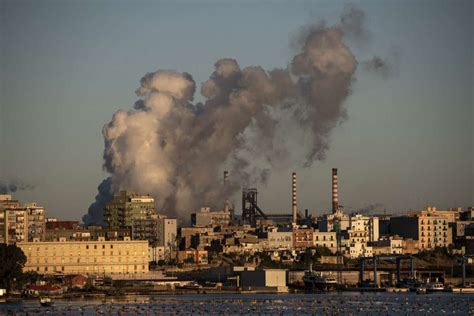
x: 207, y: 218
x: 266, y: 279
x: 86, y: 257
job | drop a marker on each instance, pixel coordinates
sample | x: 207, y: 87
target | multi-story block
x: 391, y: 245
x: 363, y: 228
x: 434, y: 230
x: 207, y: 218
x: 192, y: 256
x: 137, y: 212
x: 280, y: 239
x: 36, y: 221
x: 69, y: 231
x: 86, y: 257
x: 20, y: 222
x: 167, y: 232
x: 302, y: 237
x: 431, y: 228
x: 15, y: 225
x: 334, y: 221
x: 126, y: 208
x: 325, y: 239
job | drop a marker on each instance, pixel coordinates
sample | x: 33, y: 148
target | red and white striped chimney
x: 293, y: 200
x: 335, y: 199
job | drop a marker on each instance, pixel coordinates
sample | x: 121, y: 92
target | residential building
x: 325, y: 239
x: 302, y: 237
x: 21, y: 222
x: 126, y: 208
x: 387, y: 246
x: 192, y: 256
x: 86, y: 257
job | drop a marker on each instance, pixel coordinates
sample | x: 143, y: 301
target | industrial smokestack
x: 335, y: 200
x: 226, y: 184
x: 293, y: 201
x: 226, y: 178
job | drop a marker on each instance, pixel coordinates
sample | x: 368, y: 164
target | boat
x: 421, y: 290
x: 434, y: 287
x: 319, y: 281
x: 46, y: 301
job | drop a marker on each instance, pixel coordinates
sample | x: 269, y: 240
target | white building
x: 325, y: 239
x: 279, y: 239
x: 167, y: 232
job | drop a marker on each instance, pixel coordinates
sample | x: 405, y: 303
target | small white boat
x: 435, y: 287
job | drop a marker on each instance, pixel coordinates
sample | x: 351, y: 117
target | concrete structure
x: 404, y: 226
x: 434, y: 230
x: 207, y: 218
x: 335, y: 193
x: 69, y: 232
x: 302, y: 237
x: 126, y: 208
x: 167, y: 231
x: 359, y: 249
x: 294, y: 210
x: 325, y: 239
x: 391, y: 245
x: 20, y: 222
x: 86, y: 257
x: 329, y: 222
x: 156, y: 253
x: 280, y: 239
x: 192, y: 256
x: 271, y: 279
x: 430, y: 227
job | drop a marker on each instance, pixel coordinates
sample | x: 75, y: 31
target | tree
x: 12, y: 261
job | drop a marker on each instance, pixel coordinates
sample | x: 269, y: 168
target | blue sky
x: 67, y: 66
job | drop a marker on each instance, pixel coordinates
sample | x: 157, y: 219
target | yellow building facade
x: 434, y: 230
x: 86, y: 257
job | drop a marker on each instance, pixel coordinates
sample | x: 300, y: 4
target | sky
x: 68, y: 66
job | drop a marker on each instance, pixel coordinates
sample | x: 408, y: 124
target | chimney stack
x: 335, y: 200
x: 226, y: 183
x: 293, y: 201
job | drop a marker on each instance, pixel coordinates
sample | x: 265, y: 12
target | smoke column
x: 176, y: 150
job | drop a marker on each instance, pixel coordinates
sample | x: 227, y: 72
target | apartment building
x: 325, y: 239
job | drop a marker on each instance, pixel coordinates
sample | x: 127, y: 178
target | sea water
x: 256, y: 304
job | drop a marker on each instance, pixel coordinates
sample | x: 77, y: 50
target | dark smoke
x: 371, y: 209
x: 94, y: 215
x: 14, y: 186
x: 176, y: 150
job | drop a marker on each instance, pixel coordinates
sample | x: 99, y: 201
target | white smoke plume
x: 176, y: 150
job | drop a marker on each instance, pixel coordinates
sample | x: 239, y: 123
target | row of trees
x: 12, y: 261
